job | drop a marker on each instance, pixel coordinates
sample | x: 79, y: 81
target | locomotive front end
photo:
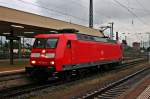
x: 42, y: 58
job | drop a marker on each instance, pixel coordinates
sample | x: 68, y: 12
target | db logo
x: 102, y: 52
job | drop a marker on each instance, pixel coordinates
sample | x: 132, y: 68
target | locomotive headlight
x: 33, y: 62
x: 50, y: 55
x: 52, y: 62
x: 43, y: 51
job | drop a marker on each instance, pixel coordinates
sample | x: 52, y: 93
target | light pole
x: 148, y: 39
x: 111, y: 29
x: 91, y: 14
x: 1, y: 43
x: 117, y: 36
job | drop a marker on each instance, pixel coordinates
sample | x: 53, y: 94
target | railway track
x: 25, y: 89
x: 21, y: 90
x: 116, y: 88
x: 11, y: 75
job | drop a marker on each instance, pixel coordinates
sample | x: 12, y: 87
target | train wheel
x: 116, y: 65
x: 65, y: 76
x: 106, y: 67
x: 81, y: 73
x: 42, y: 79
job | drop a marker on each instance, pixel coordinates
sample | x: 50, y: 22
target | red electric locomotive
x: 68, y: 51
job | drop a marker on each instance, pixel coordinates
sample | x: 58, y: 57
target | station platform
x: 19, y: 64
x: 140, y: 91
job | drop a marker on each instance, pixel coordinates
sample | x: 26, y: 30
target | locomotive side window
x: 99, y: 39
x: 69, y: 44
x: 51, y: 43
x: 85, y: 37
x: 94, y: 38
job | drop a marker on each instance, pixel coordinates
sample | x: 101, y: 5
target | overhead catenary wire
x: 146, y: 10
x: 131, y: 12
x: 54, y: 10
x: 80, y: 5
x: 126, y: 28
x: 64, y: 13
x: 143, y: 8
x: 102, y: 14
x: 139, y: 10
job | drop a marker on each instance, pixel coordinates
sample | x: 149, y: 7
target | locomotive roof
x: 80, y: 36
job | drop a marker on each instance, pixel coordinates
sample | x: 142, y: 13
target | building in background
x: 136, y: 45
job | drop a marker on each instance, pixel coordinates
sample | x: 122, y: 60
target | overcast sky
x: 129, y: 16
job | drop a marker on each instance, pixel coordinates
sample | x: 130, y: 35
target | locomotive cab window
x: 51, y: 43
x: 45, y: 43
x: 39, y: 43
x: 68, y: 44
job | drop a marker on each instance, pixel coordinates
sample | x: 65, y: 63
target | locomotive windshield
x: 45, y: 43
